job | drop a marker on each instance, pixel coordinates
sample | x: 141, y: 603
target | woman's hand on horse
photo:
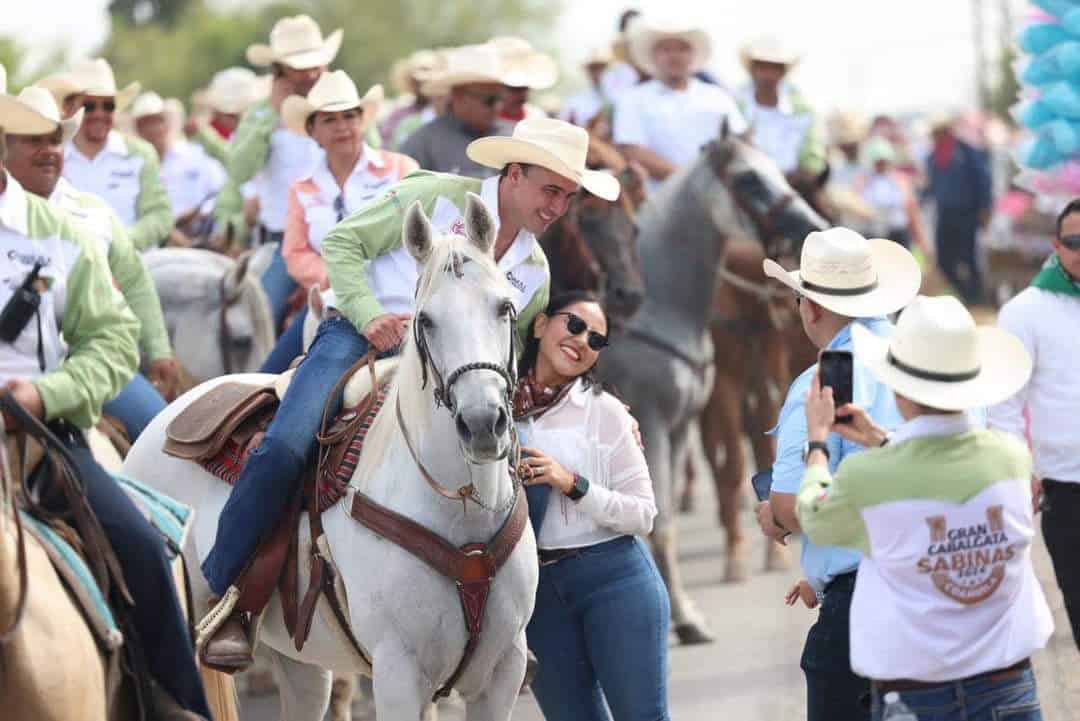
x: 545, y: 470
x: 387, y: 331
x: 26, y: 395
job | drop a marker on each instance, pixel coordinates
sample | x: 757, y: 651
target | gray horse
x: 662, y: 364
x: 216, y: 312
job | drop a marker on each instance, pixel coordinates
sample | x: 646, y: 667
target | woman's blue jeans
x: 136, y: 405
x: 272, y: 470
x: 600, y: 632
x: 289, y: 345
x: 277, y: 283
x: 1009, y: 696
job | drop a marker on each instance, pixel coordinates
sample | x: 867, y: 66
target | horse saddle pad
x: 171, y: 518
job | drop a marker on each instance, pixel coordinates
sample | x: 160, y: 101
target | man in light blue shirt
x: 844, y: 279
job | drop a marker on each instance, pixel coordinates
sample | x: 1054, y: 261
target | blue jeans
x: 600, y: 632
x: 269, y: 478
x: 136, y: 405
x: 289, y: 345
x: 1010, y: 696
x: 833, y: 691
x: 277, y: 282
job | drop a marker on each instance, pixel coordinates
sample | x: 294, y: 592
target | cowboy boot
x: 165, y: 708
x: 229, y: 649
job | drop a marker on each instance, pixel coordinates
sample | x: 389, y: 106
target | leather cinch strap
x: 471, y: 567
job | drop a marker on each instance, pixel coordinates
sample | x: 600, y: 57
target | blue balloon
x: 1071, y: 21
x: 1057, y: 8
x: 1040, y: 37
x: 1035, y: 114
x: 1039, y: 153
x: 1065, y: 135
x: 1062, y: 99
x: 1061, y: 62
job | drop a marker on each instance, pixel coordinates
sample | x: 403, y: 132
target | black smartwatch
x: 579, y: 489
x: 815, y: 446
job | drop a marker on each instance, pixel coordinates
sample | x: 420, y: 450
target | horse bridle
x: 764, y: 223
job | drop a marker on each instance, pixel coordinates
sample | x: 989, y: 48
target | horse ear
x: 417, y: 234
x: 315, y: 303
x: 479, y: 225
x: 234, y: 277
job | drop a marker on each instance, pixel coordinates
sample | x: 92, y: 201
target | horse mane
x: 407, y: 388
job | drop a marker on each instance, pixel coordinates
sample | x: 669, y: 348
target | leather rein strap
x: 472, y: 567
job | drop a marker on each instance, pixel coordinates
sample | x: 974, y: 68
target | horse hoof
x: 693, y: 634
x: 736, y: 571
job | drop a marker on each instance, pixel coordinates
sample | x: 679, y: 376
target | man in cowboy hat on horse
x: 582, y: 107
x: 61, y: 368
x: 845, y: 283
x: 121, y: 169
x: 663, y: 123
x: 781, y: 122
x: 525, y: 69
x: 947, y: 611
x: 373, y: 281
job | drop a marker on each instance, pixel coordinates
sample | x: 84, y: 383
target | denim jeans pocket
x: 1029, y: 711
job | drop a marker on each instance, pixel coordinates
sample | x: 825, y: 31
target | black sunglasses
x: 92, y: 105
x: 577, y: 326
x: 487, y: 100
x: 1072, y: 242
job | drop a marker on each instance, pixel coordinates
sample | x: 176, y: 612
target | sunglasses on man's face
x: 577, y: 326
x: 91, y: 105
x: 1072, y: 242
x: 487, y: 100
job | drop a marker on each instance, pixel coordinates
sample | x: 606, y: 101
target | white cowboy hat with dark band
x: 524, y: 67
x: 34, y: 112
x: 645, y: 33
x: 90, y: 77
x: 852, y: 275
x: 553, y: 144
x: 463, y: 66
x: 333, y: 92
x: 938, y: 357
x: 298, y: 43
x: 769, y: 49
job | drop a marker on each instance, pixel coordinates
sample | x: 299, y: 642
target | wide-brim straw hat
x: 333, y: 92
x: 523, y: 66
x: 645, y: 33
x: 232, y: 91
x: 769, y: 49
x: 847, y: 128
x: 553, y: 144
x: 34, y: 112
x: 851, y: 275
x: 599, y: 56
x: 147, y: 104
x: 298, y: 43
x: 464, y: 66
x: 90, y: 77
x: 938, y: 357
x: 418, y: 67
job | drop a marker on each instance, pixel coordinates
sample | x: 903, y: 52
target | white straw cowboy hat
x: 90, y: 77
x: 553, y: 144
x: 598, y: 56
x: 333, y: 92
x: 298, y: 43
x: 34, y: 112
x: 232, y: 91
x: 769, y: 49
x: 645, y: 33
x: 417, y: 67
x: 463, y: 66
x: 149, y: 103
x: 939, y: 358
x: 523, y: 66
x: 851, y: 275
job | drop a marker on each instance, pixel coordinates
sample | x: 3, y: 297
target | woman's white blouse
x: 592, y: 435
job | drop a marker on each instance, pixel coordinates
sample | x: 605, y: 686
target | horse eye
x: 425, y: 321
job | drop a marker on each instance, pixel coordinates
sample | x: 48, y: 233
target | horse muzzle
x: 484, y: 431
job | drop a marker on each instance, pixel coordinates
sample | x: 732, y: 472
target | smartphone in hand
x: 762, y: 483
x: 837, y: 368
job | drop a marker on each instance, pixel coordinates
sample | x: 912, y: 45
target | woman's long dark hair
x: 557, y: 303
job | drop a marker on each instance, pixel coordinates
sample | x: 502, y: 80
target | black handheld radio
x: 20, y: 308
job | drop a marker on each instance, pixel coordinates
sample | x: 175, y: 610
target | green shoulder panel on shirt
x: 538, y: 303
x: 942, y: 468
x: 375, y: 230
x: 152, y: 210
x: 214, y: 145
x: 813, y: 155
x: 100, y: 330
x: 250, y: 144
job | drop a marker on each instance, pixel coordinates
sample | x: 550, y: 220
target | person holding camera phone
x: 68, y: 343
x: 947, y: 611
x: 845, y: 281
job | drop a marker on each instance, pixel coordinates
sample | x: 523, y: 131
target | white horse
x: 217, y: 314
x: 407, y: 617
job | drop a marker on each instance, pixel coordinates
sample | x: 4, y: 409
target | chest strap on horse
x: 471, y: 567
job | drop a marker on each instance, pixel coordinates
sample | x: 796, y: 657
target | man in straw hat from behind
x: 781, y: 122
x: 81, y: 350
x: 663, y: 123
x: 190, y: 176
x: 583, y: 106
x: 121, y: 169
x: 473, y: 79
x: 36, y: 161
x: 408, y: 76
x: 1046, y: 318
x: 845, y: 283
x: 373, y: 281
x: 264, y: 149
x: 947, y: 611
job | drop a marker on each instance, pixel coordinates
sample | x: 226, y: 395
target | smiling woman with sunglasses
x: 600, y: 626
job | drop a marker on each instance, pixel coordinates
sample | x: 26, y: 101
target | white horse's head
x: 462, y: 346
